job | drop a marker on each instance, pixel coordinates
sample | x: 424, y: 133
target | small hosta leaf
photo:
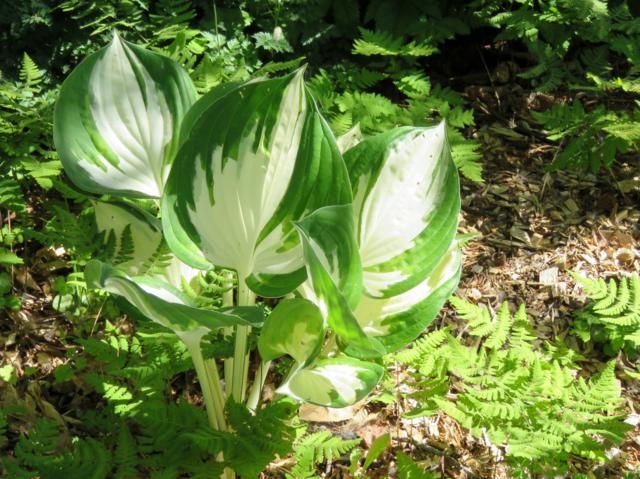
x: 162, y: 303
x: 333, y: 267
x: 295, y: 327
x: 335, y: 382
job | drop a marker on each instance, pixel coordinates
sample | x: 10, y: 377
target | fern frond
x: 29, y: 73
x: 125, y: 454
x: 594, y: 288
x: 386, y: 44
x: 615, y: 311
x: 423, y: 346
x: 468, y: 159
x: 316, y: 448
x: 278, y: 67
x: 415, y: 85
x: 601, y: 393
x: 502, y: 327
x: 610, y: 298
x: 126, y: 247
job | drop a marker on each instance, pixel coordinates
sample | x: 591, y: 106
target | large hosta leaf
x: 164, y: 304
x: 407, y: 201
x: 334, y: 382
x: 117, y: 120
x: 258, y: 157
x: 398, y: 320
x: 333, y: 267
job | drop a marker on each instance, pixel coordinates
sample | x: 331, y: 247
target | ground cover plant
x: 143, y: 253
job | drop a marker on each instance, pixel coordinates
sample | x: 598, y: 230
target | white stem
x: 258, y: 384
x: 211, y: 369
x: 240, y: 355
x: 211, y: 391
x: 209, y: 380
x: 227, y: 300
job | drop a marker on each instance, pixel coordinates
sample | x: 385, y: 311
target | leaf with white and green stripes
x: 164, y: 304
x: 257, y: 157
x: 335, y: 276
x: 132, y: 234
x: 134, y: 239
x: 117, y: 120
x: 296, y: 328
x: 334, y: 382
x: 407, y: 200
x: 398, y: 320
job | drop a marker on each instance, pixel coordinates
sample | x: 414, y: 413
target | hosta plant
x: 249, y: 178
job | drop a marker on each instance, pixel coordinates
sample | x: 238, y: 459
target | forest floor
x: 535, y: 228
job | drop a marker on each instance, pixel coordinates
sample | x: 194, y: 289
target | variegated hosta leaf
x: 258, y: 157
x: 131, y: 234
x: 164, y: 304
x: 333, y: 267
x: 335, y: 382
x: 134, y: 239
x: 175, y: 235
x: 398, y: 320
x: 295, y: 327
x: 407, y: 201
x: 117, y: 120
x: 350, y: 139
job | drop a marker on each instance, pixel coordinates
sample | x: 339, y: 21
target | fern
x: 498, y: 336
x: 256, y: 439
x: 423, y: 346
x: 125, y: 453
x: 384, y: 43
x: 613, y: 316
x: 316, y: 448
x: 30, y: 74
x: 126, y: 248
x: 11, y: 196
x: 467, y: 157
x: 42, y: 453
x: 408, y: 469
x: 593, y: 139
x: 272, y: 42
x: 415, y: 85
x: 516, y: 391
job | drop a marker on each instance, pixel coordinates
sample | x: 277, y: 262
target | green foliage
x: 589, y: 139
x: 385, y: 44
x: 313, y: 449
x: 408, y: 469
x: 256, y: 438
x: 524, y: 396
x: 552, y: 30
x: 40, y: 453
x: 613, y: 315
x: 141, y: 432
